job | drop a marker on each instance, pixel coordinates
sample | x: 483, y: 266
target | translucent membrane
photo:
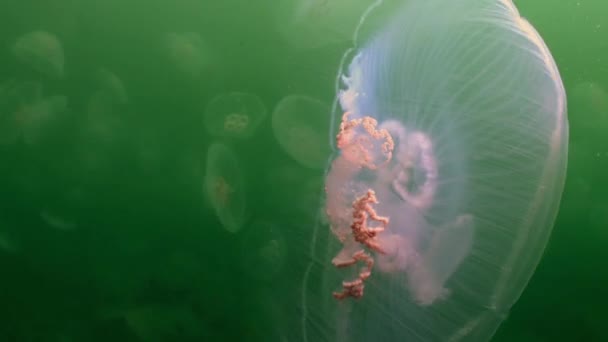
x: 25, y: 113
x: 225, y: 187
x: 187, y: 52
x: 309, y: 24
x: 42, y: 51
x: 300, y: 123
x: 452, y: 144
x: 234, y: 115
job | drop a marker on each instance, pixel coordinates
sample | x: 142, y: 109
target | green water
x: 107, y: 232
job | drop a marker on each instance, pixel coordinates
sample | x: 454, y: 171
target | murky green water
x: 162, y: 166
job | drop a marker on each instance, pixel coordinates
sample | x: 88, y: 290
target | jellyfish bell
x: 452, y: 147
x: 42, y: 51
x: 300, y: 125
x: 26, y: 113
x: 111, y: 86
x: 264, y: 250
x: 310, y: 24
x: 187, y: 52
x: 234, y: 115
x: 224, y: 187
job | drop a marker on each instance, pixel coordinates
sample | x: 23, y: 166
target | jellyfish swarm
x: 450, y: 169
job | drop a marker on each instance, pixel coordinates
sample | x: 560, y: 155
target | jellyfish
x: 300, y: 124
x: 264, y: 250
x: 104, y: 118
x: 310, y: 24
x: 26, y: 113
x: 234, y: 115
x: 225, y: 187
x: 111, y: 86
x: 42, y: 51
x: 187, y: 52
x: 451, y: 149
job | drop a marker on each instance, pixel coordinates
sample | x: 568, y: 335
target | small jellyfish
x: 103, y: 120
x: 300, y: 124
x: 225, y: 187
x: 264, y: 250
x: 41, y: 51
x: 451, y: 156
x: 26, y: 113
x: 8, y: 242
x: 309, y: 24
x: 56, y: 221
x: 111, y: 86
x: 187, y: 52
x: 234, y: 115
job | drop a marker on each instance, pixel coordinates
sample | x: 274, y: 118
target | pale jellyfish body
x: 224, y: 187
x: 299, y: 123
x: 234, y: 115
x: 449, y: 172
x: 42, y: 51
x: 187, y: 52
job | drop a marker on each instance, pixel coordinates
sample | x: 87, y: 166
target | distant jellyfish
x: 25, y: 113
x: 225, y: 187
x: 8, y: 242
x: 187, y: 52
x: 42, y: 51
x: 309, y: 24
x: 300, y: 125
x: 451, y: 158
x: 264, y: 250
x: 56, y: 221
x: 234, y: 115
x: 104, y: 115
x: 111, y: 86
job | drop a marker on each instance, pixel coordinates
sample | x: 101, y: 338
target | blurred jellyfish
x: 300, y: 125
x: 234, y: 115
x: 41, y: 51
x: 56, y: 221
x: 104, y: 119
x: 264, y: 250
x: 308, y: 24
x: 25, y: 114
x: 8, y: 243
x: 111, y: 86
x: 225, y: 187
x: 452, y: 142
x: 187, y: 52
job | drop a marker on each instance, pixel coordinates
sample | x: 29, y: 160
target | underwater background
x: 109, y: 223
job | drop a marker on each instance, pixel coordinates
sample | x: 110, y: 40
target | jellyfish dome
x: 42, y: 51
x: 451, y: 157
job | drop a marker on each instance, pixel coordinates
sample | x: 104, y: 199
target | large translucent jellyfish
x: 452, y: 139
x: 25, y: 113
x: 42, y: 51
x: 300, y: 124
x: 225, y: 187
x: 234, y: 115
